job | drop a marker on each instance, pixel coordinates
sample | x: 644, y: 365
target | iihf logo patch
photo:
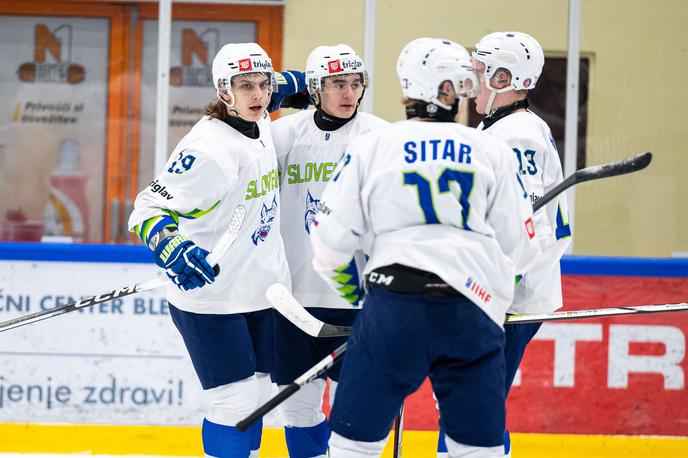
x: 311, y: 210
x: 478, y: 290
x: 245, y: 65
x: 334, y: 66
x: 267, y: 217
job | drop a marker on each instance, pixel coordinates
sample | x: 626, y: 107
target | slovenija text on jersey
x: 263, y: 185
x: 310, y: 171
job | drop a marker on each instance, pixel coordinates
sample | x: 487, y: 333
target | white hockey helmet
x: 517, y: 52
x: 236, y: 59
x: 425, y: 63
x: 326, y: 61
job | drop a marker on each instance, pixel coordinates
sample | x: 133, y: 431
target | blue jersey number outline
x: 529, y: 156
x: 464, y: 179
x: 185, y: 163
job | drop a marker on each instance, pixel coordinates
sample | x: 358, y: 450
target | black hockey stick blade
x: 227, y: 239
x: 595, y: 172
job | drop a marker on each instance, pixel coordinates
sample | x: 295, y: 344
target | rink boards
x: 122, y: 363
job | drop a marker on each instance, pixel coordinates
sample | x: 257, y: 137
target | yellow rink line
x: 186, y: 441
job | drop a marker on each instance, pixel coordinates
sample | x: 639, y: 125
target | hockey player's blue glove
x: 184, y: 262
x: 291, y: 91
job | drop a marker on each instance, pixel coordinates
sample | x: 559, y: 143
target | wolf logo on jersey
x: 311, y: 210
x: 267, y: 216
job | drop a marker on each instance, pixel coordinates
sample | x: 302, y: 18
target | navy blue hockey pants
x: 399, y: 339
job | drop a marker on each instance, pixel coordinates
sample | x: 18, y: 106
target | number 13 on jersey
x: 425, y: 193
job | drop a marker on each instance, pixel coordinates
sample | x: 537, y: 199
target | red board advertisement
x: 618, y: 375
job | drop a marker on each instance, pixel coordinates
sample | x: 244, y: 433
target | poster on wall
x: 193, y: 46
x: 53, y: 84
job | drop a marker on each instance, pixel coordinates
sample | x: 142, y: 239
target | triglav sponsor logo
x: 351, y: 65
x: 245, y: 65
x: 334, y: 66
x: 162, y: 190
x: 58, y: 44
x: 261, y: 64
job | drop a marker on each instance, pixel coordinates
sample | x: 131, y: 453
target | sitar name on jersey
x: 437, y: 150
x: 265, y: 184
x: 310, y: 171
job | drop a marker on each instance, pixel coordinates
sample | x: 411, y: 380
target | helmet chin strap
x: 490, y: 100
x: 493, y: 94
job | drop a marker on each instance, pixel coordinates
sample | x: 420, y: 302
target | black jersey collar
x: 503, y: 112
x: 327, y: 122
x: 247, y: 128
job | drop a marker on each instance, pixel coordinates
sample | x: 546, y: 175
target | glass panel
x: 54, y: 79
x: 194, y: 44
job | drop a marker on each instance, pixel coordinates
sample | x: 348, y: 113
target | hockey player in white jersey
x: 451, y: 225
x: 508, y: 65
x: 309, y: 144
x: 227, y: 159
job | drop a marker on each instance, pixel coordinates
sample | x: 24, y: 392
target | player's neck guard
x: 247, y: 128
x: 432, y: 111
x: 327, y: 122
x: 503, y: 112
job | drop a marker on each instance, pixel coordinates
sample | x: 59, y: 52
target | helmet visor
x: 251, y: 82
x: 338, y: 84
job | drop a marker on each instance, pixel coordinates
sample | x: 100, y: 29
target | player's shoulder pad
x: 212, y: 139
x: 523, y: 130
x: 371, y: 121
x: 293, y: 120
x: 287, y: 128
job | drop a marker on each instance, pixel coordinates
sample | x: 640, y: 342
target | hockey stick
x: 595, y: 172
x: 311, y: 374
x: 282, y: 300
x: 322, y: 366
x: 398, y: 432
x: 222, y: 246
x: 594, y: 313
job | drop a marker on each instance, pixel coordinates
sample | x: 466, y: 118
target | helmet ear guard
x: 425, y: 63
x: 516, y: 52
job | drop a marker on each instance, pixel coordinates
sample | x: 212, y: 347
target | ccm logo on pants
x: 380, y: 279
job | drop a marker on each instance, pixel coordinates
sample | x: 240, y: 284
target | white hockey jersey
x: 213, y: 169
x: 540, y: 168
x: 307, y: 158
x: 437, y: 196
